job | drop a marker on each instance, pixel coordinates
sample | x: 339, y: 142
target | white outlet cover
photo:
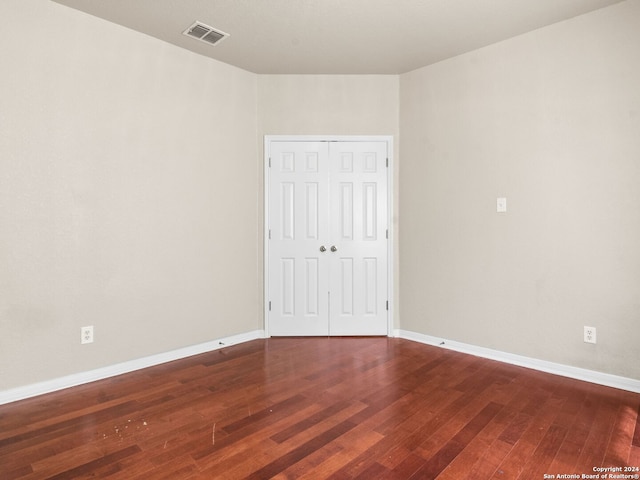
x: 501, y: 204
x: 589, y: 334
x: 86, y: 335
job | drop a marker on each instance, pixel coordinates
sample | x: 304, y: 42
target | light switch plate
x: 501, y: 204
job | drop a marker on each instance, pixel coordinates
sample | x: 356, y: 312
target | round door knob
x: 323, y: 248
x: 333, y: 248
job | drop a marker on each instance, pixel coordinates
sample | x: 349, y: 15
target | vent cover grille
x: 205, y: 33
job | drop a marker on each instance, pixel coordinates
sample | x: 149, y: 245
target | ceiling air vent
x: 205, y: 33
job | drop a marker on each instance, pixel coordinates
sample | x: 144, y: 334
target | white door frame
x: 330, y: 138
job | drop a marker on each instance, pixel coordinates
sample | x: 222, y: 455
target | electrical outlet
x: 86, y: 334
x: 590, y: 334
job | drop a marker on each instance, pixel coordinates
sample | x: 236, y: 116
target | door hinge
x: 269, y: 305
x: 387, y: 304
x: 269, y: 234
x: 387, y: 163
x: 269, y: 162
x: 387, y: 234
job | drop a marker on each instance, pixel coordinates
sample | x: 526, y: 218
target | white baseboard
x: 591, y: 376
x: 20, y: 393
x: 28, y: 391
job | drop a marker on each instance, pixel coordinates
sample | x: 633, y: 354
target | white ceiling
x: 337, y: 36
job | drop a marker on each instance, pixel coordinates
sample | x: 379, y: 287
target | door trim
x: 390, y: 211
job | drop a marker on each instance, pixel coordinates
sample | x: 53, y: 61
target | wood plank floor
x: 314, y: 408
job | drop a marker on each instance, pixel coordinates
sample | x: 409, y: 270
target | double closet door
x: 327, y: 241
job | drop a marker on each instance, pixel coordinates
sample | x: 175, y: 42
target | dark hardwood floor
x: 339, y: 408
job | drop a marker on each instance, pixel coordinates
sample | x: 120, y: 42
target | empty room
x: 319, y: 239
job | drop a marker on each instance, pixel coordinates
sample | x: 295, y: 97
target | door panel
x: 331, y: 195
x: 358, y: 193
x: 345, y: 209
x: 312, y: 286
x: 298, y: 278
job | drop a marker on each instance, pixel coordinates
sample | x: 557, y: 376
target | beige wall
x: 127, y: 199
x: 328, y: 104
x: 551, y: 120
x: 332, y: 105
x: 121, y: 156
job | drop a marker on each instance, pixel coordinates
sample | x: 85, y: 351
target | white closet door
x: 327, y: 246
x: 358, y: 233
x: 298, y: 220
